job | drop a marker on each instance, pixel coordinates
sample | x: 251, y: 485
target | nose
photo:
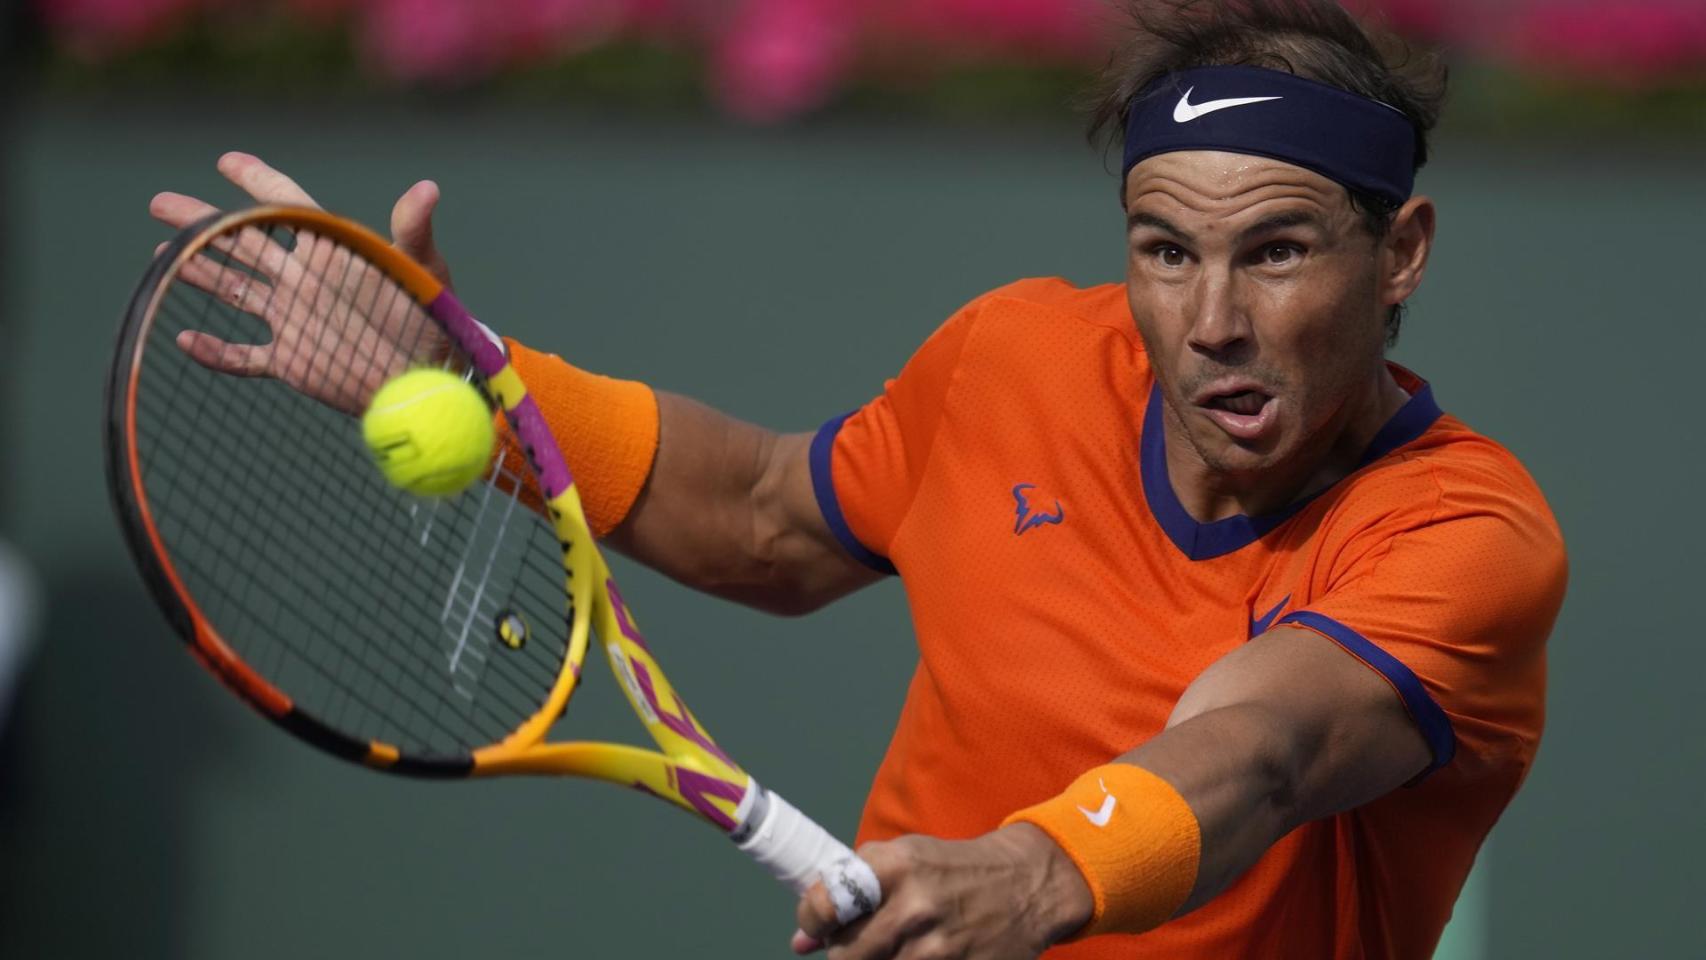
x: 1220, y: 326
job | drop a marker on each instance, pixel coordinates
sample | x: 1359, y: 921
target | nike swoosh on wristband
x: 1100, y: 816
x: 1187, y: 111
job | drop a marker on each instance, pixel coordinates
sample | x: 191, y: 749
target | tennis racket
x: 433, y: 638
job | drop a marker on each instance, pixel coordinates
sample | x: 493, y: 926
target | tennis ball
x: 429, y: 431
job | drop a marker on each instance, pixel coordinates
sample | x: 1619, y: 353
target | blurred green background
x: 780, y: 273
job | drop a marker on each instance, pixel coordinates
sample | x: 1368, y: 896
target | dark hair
x: 1313, y: 39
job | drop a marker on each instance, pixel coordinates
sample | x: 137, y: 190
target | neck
x: 1331, y: 454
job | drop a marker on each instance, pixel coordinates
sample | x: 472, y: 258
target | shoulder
x: 1043, y: 299
x: 1457, y: 469
x: 1047, y: 316
x: 1461, y: 485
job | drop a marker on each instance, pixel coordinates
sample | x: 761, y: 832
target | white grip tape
x: 798, y: 852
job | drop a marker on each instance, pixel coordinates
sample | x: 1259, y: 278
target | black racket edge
x: 116, y: 450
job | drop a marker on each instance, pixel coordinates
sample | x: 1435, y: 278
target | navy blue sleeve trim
x: 823, y: 485
x: 1430, y: 719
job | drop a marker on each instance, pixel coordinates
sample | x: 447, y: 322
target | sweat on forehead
x: 1217, y: 175
x: 1198, y: 193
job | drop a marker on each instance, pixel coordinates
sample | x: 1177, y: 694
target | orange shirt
x: 1063, y: 599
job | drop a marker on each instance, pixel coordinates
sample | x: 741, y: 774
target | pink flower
x: 1630, y: 41
x: 432, y: 39
x: 658, y: 18
x: 778, y: 58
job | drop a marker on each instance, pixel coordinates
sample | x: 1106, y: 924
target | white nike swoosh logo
x: 1187, y: 111
x: 1099, y: 818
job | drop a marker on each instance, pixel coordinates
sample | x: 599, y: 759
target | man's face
x: 1255, y: 287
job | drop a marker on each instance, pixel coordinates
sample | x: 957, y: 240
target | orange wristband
x: 1132, y: 836
x: 607, y: 429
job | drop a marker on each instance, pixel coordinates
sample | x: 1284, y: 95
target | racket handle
x: 798, y: 852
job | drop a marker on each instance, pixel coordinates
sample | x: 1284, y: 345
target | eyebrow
x: 1138, y: 218
x: 1279, y: 221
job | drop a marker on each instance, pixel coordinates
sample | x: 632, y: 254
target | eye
x: 1280, y: 254
x: 1170, y: 254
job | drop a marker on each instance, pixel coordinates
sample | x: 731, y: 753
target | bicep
x: 728, y: 508
x: 792, y: 530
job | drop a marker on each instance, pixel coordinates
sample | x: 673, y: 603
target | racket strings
x: 279, y: 565
x: 470, y: 598
x: 346, y: 261
x: 308, y: 532
x: 393, y: 292
x: 321, y: 577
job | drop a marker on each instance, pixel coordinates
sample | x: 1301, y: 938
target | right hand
x: 326, y: 316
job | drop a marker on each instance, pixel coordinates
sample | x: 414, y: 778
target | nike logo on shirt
x: 1187, y: 111
x: 1261, y: 624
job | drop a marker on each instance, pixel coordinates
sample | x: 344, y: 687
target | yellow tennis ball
x: 429, y: 431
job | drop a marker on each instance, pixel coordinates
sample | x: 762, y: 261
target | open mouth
x: 1245, y: 403
x: 1245, y: 414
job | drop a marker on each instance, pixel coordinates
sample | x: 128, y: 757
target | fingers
x: 875, y: 937
x: 244, y: 291
x: 177, y: 210
x: 253, y: 248
x: 897, y: 925
x: 411, y: 220
x: 250, y: 248
x: 411, y: 228
x: 815, y: 915
x: 859, y: 941
x: 237, y: 359
x: 262, y: 182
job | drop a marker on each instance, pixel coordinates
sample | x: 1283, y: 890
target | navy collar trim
x: 1205, y: 541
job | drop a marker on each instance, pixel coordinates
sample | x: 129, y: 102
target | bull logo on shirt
x: 1029, y: 519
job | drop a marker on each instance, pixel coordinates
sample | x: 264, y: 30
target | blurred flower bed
x: 770, y: 60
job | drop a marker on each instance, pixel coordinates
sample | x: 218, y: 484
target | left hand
x: 328, y: 309
x: 1010, y: 893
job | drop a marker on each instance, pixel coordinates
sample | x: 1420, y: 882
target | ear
x: 1404, y: 257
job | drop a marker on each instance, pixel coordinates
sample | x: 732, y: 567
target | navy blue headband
x: 1361, y: 143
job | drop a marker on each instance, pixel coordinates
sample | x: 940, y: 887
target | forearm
x: 714, y: 502
x: 1236, y: 771
x: 694, y: 519
x: 721, y: 512
x: 1286, y: 729
x: 1165, y: 827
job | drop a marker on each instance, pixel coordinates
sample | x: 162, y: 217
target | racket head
x: 376, y: 626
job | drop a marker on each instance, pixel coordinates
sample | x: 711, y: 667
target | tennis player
x: 1231, y: 641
